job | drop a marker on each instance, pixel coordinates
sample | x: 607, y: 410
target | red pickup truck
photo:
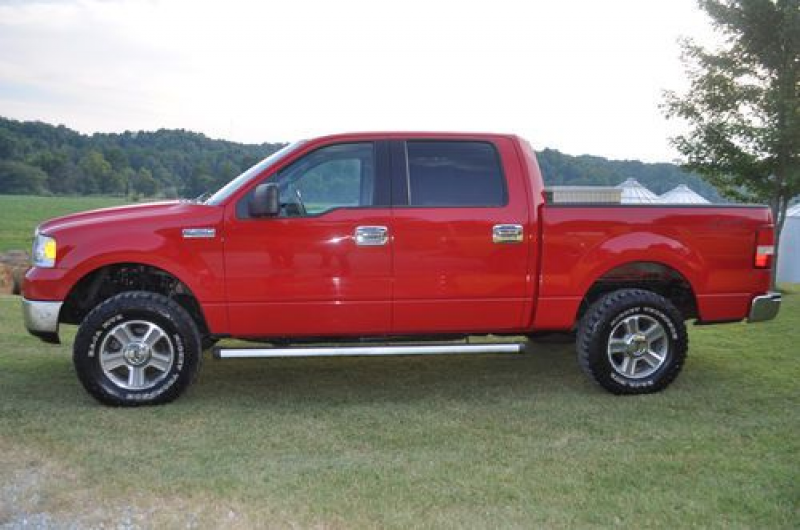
x: 391, y: 243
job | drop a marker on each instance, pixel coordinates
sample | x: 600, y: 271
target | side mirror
x: 265, y: 201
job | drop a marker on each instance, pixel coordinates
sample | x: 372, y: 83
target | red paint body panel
x: 711, y: 246
x: 306, y: 276
x: 149, y: 234
x: 439, y: 271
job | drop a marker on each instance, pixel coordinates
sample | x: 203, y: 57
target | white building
x: 789, y: 250
x: 635, y: 193
x: 682, y: 194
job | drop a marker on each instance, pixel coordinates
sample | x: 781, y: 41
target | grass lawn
x: 439, y: 442
x: 20, y: 214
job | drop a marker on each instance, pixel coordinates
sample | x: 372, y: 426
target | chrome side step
x: 354, y: 351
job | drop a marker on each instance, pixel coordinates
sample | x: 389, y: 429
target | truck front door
x: 323, y: 266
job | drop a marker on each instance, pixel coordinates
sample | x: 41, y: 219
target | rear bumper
x: 41, y: 319
x: 764, y: 307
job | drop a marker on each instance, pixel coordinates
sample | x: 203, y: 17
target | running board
x: 355, y: 351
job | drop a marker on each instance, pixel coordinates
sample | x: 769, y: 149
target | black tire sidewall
x: 181, y: 333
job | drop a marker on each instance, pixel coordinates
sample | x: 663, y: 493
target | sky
x: 581, y: 76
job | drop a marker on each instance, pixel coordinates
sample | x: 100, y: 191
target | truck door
x: 460, y: 222
x: 323, y: 266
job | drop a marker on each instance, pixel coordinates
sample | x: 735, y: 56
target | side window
x: 454, y: 173
x: 332, y: 177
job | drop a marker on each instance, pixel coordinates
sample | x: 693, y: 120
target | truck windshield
x: 228, y: 189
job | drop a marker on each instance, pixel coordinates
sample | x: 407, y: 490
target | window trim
x: 403, y: 174
x: 381, y: 193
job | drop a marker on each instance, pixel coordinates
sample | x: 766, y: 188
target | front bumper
x: 764, y: 307
x: 41, y: 319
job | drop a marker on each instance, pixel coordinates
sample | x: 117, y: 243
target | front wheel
x: 632, y: 341
x: 137, y: 348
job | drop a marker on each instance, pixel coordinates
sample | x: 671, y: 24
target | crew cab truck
x: 397, y: 238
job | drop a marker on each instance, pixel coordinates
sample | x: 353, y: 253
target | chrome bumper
x: 764, y: 307
x: 41, y: 319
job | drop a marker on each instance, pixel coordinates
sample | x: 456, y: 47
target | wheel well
x: 105, y: 282
x: 649, y: 276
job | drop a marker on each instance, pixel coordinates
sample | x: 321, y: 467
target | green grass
x: 20, y: 214
x: 403, y: 442
x: 439, y: 442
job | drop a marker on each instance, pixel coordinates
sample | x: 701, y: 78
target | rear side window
x: 460, y: 173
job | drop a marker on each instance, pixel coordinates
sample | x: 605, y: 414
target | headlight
x: 44, y: 251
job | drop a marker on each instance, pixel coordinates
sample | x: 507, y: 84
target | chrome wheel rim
x: 136, y: 355
x: 638, y: 346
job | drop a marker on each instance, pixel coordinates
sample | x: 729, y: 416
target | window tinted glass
x: 332, y: 177
x: 454, y: 174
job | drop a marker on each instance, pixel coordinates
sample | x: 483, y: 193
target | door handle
x: 507, y: 234
x: 371, y: 236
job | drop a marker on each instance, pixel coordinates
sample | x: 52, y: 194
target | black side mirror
x: 265, y: 201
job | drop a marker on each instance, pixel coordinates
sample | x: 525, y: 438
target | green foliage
x: 144, y: 183
x: 560, y: 169
x: 742, y: 108
x: 167, y: 162
x: 19, y: 177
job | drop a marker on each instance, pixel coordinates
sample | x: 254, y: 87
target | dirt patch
x: 38, y: 492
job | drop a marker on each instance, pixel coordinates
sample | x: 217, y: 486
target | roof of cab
x: 388, y: 135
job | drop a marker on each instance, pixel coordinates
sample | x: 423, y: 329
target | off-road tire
x: 179, y: 338
x: 610, y: 314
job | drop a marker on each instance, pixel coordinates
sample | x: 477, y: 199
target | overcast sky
x: 581, y: 76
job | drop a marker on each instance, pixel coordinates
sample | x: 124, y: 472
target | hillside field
x: 20, y: 214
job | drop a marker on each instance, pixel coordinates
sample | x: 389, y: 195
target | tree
x: 144, y: 183
x: 8, y: 145
x: 20, y: 178
x: 61, y: 173
x: 95, y: 169
x: 743, y: 104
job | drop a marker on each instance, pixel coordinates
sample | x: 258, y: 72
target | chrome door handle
x: 371, y: 236
x: 507, y: 234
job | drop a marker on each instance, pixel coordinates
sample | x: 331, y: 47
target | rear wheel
x: 137, y: 348
x: 632, y: 341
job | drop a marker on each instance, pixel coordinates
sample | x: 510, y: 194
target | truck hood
x: 121, y: 214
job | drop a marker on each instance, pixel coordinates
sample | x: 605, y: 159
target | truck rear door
x: 460, y: 236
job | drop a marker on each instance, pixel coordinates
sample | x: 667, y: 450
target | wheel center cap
x: 637, y: 345
x: 136, y: 353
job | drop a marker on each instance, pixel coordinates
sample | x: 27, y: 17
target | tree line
x: 586, y: 170
x: 37, y: 158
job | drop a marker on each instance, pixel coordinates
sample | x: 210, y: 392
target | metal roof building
x: 682, y: 194
x: 789, y: 250
x: 634, y: 193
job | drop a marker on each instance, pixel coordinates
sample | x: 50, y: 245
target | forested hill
x: 37, y: 158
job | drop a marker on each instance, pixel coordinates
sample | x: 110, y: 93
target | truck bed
x: 711, y: 246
